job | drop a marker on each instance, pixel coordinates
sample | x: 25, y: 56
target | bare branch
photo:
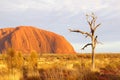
x: 88, y: 35
x: 93, y: 21
x: 96, y: 38
x: 96, y: 41
x: 90, y: 24
x: 76, y: 31
x: 82, y: 32
x: 87, y: 45
x: 97, y: 26
x: 87, y: 16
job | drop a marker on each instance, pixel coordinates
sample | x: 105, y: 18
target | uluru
x: 29, y: 38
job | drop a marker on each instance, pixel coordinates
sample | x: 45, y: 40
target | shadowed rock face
x: 27, y: 39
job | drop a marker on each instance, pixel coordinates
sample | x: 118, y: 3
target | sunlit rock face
x: 29, y: 38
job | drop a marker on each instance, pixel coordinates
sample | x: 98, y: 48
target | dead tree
x: 91, y: 20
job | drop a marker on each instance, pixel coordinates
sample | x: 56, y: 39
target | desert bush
x: 84, y: 72
x: 14, y: 60
x: 19, y: 61
x: 113, y: 66
x: 57, y: 73
x: 32, y: 61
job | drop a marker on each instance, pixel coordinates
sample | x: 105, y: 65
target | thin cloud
x: 55, y: 15
x: 51, y: 5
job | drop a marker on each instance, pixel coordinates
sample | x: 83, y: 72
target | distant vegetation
x: 16, y: 66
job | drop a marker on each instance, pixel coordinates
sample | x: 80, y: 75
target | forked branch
x: 90, y: 24
x: 97, y: 26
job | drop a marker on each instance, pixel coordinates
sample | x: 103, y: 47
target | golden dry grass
x: 63, y: 67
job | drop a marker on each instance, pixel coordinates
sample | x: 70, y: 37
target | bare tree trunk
x: 93, y: 57
x: 93, y: 51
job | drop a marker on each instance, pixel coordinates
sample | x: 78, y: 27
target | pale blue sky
x: 59, y: 15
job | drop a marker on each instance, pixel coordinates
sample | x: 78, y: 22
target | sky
x: 60, y: 15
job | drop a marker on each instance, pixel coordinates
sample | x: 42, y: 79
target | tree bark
x: 93, y: 57
x: 93, y: 51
